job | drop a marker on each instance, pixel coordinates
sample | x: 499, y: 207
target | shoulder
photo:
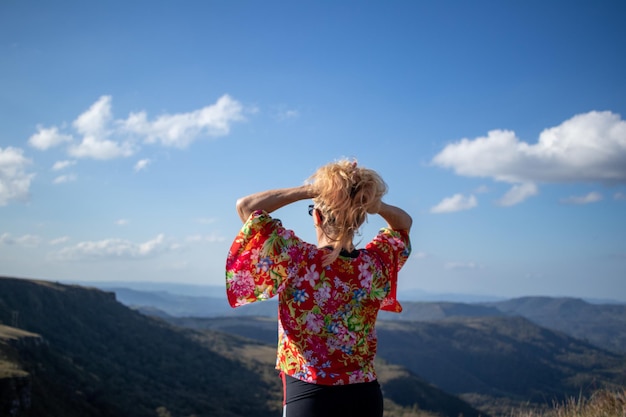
x: 388, y: 236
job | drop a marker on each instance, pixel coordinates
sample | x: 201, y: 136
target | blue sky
x: 128, y: 129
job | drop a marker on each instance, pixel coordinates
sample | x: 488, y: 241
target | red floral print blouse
x: 326, y: 316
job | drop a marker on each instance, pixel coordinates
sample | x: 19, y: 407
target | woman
x: 329, y: 293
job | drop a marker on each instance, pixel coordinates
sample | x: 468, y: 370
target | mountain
x: 601, y: 324
x: 401, y: 387
x: 74, y: 351
x: 432, y: 311
x: 173, y: 304
x: 100, y: 358
x: 486, y: 360
x: 179, y: 305
x: 77, y: 351
x: 496, y: 363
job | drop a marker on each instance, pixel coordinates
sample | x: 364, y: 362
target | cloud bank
x: 589, y: 148
x: 102, y: 137
x: 457, y: 202
x: 115, y: 249
x: 14, y: 180
x: 180, y: 130
x: 98, y: 135
x: 25, y: 240
x: 592, y: 197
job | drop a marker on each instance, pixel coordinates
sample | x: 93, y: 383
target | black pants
x: 310, y: 400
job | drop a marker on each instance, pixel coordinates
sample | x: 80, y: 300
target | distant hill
x: 496, y: 363
x: 73, y: 351
x: 178, y: 305
x: 491, y: 358
x: 432, y: 311
x: 401, y: 387
x: 91, y: 355
x: 601, y: 324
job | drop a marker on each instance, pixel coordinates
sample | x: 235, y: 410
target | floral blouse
x: 326, y: 316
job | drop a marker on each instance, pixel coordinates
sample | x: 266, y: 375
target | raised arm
x: 395, y: 217
x: 272, y: 200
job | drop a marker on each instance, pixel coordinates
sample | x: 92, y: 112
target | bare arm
x: 271, y: 200
x: 395, y: 217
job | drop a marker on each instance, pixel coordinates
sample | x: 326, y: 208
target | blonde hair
x: 344, y: 194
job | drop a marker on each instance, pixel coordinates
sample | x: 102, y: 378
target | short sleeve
x: 393, y: 248
x: 259, y: 258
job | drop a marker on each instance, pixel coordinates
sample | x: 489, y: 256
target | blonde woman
x: 329, y: 293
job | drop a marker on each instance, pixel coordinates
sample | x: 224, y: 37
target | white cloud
x: 592, y: 197
x: 99, y: 148
x: 181, y: 129
x: 457, y: 202
x: 462, y: 265
x: 289, y: 114
x: 48, y: 138
x: 122, y: 222
x: 59, y: 165
x: 206, y: 220
x: 141, y: 165
x: 177, y: 266
x: 59, y: 240
x: 212, y: 238
x: 14, y: 180
x: 62, y: 179
x: 102, y: 137
x: 286, y: 114
x: 517, y: 194
x: 95, y: 120
x: 115, y: 248
x: 95, y: 126
x: 619, y: 196
x: 25, y: 240
x: 589, y: 147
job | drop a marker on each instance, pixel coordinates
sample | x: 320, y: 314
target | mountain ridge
x: 103, y: 359
x: 601, y: 324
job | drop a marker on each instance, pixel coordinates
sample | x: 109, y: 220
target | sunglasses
x: 311, y: 208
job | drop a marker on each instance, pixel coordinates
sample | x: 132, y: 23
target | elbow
x: 408, y: 222
x: 243, y: 209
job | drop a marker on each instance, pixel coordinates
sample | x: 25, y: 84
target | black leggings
x: 302, y: 399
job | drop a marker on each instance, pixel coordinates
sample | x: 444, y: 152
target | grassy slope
x: 603, y: 325
x: 495, y: 363
x: 405, y: 394
x: 103, y: 359
x: 494, y: 358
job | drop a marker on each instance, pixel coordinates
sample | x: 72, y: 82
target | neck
x: 323, y: 241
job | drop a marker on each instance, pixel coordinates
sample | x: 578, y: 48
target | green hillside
x: 505, y: 360
x: 495, y: 363
x: 102, y: 359
x: 601, y: 324
x: 405, y: 393
x: 73, y: 351
x: 76, y: 351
